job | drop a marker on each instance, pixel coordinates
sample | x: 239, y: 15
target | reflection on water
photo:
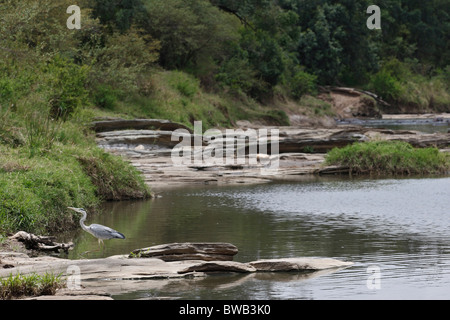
x: 400, y: 225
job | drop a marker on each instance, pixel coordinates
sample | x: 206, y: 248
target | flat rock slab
x: 118, y: 267
x: 298, y: 264
x: 139, y: 137
x: 188, y: 251
x: 100, y: 278
x: 272, y: 265
x: 123, y: 268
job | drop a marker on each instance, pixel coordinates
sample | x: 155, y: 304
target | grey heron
x: 97, y: 230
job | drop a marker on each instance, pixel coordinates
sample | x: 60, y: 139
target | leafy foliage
x: 66, y: 86
x: 302, y: 83
x: 118, y: 14
x: 189, y: 31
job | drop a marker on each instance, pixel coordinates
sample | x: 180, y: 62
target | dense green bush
x: 117, y: 59
x: 302, y: 83
x: 278, y: 117
x: 386, y: 85
x: 14, y: 82
x: 66, y: 85
x: 191, y: 32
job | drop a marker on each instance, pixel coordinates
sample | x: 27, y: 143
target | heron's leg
x: 101, y: 244
x: 81, y: 255
x: 85, y: 254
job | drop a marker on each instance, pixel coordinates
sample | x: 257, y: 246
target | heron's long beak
x: 72, y: 208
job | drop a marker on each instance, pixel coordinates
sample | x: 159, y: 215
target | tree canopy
x: 269, y: 41
x: 246, y: 47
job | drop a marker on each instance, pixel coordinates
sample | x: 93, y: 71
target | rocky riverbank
x: 156, y: 267
x: 148, y: 145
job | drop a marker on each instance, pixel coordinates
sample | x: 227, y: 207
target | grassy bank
x: 389, y: 157
x: 179, y: 96
x: 35, y: 192
x: 47, y: 165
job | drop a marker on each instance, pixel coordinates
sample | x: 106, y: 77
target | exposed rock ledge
x: 101, y: 278
x: 136, y: 124
x: 301, y: 153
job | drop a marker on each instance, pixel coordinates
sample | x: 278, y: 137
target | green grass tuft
x: 29, y: 285
x: 389, y: 157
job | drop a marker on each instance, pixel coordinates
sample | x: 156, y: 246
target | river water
x: 441, y: 125
x: 398, y: 228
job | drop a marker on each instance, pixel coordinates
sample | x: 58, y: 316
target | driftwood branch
x: 355, y: 92
x: 41, y: 243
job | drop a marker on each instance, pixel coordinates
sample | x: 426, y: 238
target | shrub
x: 14, y: 81
x: 120, y: 59
x: 316, y: 106
x: 6, y: 89
x: 66, y: 84
x: 40, y: 131
x: 303, y: 83
x: 386, y: 85
x: 189, y: 31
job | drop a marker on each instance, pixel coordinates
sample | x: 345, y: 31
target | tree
x: 320, y: 51
x: 416, y: 30
x: 188, y: 30
x: 335, y: 43
x: 118, y: 14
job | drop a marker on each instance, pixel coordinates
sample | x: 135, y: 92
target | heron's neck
x: 83, y: 218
